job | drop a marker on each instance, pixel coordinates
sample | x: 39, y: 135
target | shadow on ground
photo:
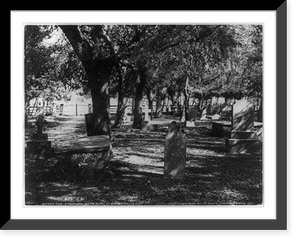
x: 135, y: 176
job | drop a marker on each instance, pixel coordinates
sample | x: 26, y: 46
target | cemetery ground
x: 135, y: 173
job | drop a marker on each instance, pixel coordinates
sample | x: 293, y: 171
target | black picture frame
x: 280, y: 223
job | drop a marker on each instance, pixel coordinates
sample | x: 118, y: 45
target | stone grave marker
x: 39, y: 143
x: 126, y: 119
x: 175, y: 152
x: 96, y: 124
x: 145, y: 128
x: 215, y: 117
x: 189, y: 123
x: 242, y: 137
x: 226, y: 112
x: 92, y: 154
x: 192, y: 114
x: 204, y: 113
x: 153, y: 127
x: 242, y: 116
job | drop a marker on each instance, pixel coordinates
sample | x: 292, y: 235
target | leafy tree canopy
x: 218, y: 59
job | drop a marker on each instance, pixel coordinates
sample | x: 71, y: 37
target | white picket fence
x: 75, y: 109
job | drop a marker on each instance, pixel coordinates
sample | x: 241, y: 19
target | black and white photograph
x: 143, y: 114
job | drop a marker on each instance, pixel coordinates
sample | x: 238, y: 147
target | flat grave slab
x: 91, y: 144
x: 241, y: 146
x: 243, y: 137
x: 91, y: 154
x: 223, y: 128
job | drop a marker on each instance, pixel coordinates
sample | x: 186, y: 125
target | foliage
x: 208, y: 61
x: 219, y: 60
x: 51, y: 66
x: 36, y: 61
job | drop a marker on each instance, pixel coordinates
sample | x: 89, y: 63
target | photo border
x: 280, y: 223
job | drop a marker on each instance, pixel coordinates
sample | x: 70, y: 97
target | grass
x: 135, y: 174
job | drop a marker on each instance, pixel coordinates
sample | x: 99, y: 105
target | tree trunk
x: 99, y: 83
x: 163, y: 105
x: 201, y: 106
x: 182, y: 113
x: 120, y: 111
x: 150, y: 101
x: 186, y: 106
x: 98, y: 70
x: 26, y: 115
x: 121, y: 104
x: 158, y: 109
x: 179, y: 110
x: 260, y: 112
x: 173, y: 104
x: 186, y: 100
x: 137, y: 112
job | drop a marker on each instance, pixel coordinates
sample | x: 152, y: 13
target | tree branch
x: 80, y: 45
x: 99, y: 33
x: 137, y: 36
x: 209, y: 80
x: 161, y: 49
x: 108, y: 42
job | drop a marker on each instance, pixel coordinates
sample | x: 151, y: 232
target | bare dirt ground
x: 135, y: 174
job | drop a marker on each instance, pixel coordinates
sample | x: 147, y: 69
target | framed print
x: 140, y: 120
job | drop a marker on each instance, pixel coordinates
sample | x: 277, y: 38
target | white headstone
x: 242, y: 115
x: 190, y: 124
x: 175, y: 153
x: 203, y: 116
x: 215, y: 117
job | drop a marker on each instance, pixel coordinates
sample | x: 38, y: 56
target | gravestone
x: 150, y: 127
x: 242, y: 116
x: 189, y: 123
x: 175, y: 153
x: 192, y: 114
x: 96, y: 124
x: 226, y: 112
x: 260, y: 114
x: 221, y: 128
x: 215, y: 117
x: 126, y: 120
x: 91, y: 155
x: 38, y: 143
x: 242, y: 137
x: 153, y: 127
x: 204, y: 113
